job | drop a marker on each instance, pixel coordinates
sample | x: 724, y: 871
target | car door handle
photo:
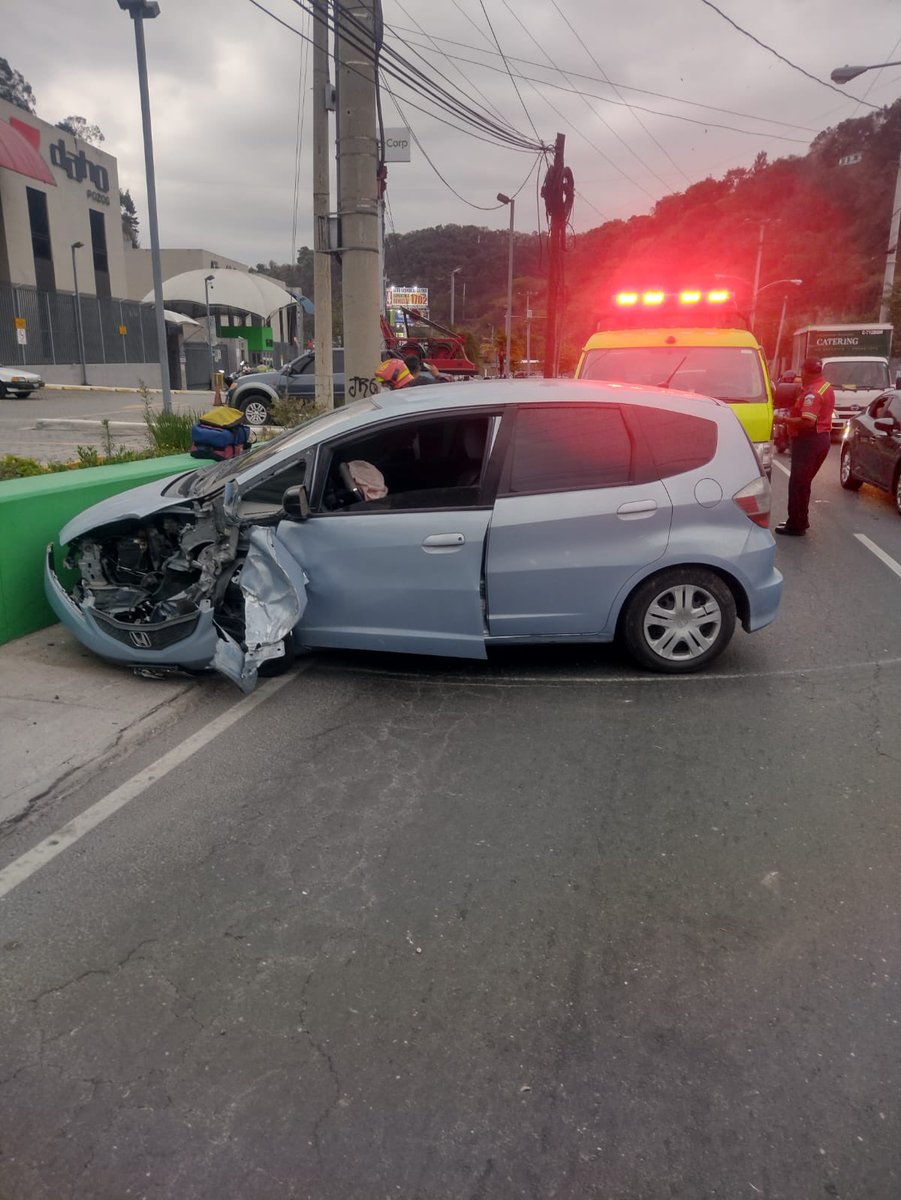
x: 443, y: 541
x: 636, y: 508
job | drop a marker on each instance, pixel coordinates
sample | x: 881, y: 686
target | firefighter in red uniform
x: 810, y: 428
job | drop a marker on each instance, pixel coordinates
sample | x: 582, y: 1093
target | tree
x: 81, y: 128
x: 130, y: 222
x: 15, y: 88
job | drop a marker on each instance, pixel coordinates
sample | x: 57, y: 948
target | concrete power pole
x: 891, y: 257
x: 323, y: 102
x: 557, y: 192
x: 358, y: 196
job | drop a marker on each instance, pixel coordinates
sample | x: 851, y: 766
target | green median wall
x: 32, y: 512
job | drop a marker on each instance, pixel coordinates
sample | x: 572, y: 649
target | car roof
x: 613, y: 338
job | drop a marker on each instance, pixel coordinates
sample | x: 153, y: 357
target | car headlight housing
x: 765, y: 455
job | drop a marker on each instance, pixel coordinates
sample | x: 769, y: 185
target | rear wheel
x: 898, y: 491
x: 256, y: 410
x: 849, y: 481
x: 679, y: 620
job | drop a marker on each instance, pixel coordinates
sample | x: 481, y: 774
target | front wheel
x: 849, y: 481
x: 21, y: 395
x: 898, y: 492
x: 679, y: 620
x: 256, y: 410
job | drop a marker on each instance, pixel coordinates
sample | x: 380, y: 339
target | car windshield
x: 213, y: 477
x: 869, y: 376
x: 730, y: 373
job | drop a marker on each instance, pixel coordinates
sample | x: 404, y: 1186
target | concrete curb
x: 101, y: 387
x: 77, y: 424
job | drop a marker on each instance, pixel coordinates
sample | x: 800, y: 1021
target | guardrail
x: 32, y: 512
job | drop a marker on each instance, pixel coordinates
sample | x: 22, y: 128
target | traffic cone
x: 217, y: 398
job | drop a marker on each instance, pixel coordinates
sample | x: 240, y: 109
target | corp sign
x: 397, y: 145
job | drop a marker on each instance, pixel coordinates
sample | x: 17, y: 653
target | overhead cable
x: 787, y: 61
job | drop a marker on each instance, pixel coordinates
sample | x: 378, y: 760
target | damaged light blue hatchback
x: 440, y: 521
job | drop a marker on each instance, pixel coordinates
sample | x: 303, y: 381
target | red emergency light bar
x: 654, y: 299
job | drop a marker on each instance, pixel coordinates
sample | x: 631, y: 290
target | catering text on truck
x: 855, y: 361
x: 690, y: 341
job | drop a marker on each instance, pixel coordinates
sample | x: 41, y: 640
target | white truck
x: 855, y: 361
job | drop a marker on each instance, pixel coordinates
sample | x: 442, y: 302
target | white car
x: 14, y: 381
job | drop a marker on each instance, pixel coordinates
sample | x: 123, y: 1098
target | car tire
x: 21, y: 395
x: 678, y: 620
x: 2, y: 391
x: 255, y: 409
x: 897, y: 491
x: 849, y: 481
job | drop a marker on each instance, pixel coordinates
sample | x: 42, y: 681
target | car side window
x: 678, y: 441
x: 433, y: 461
x: 569, y: 447
x: 893, y: 407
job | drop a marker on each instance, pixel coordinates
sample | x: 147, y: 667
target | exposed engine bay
x: 155, y: 583
x: 143, y: 573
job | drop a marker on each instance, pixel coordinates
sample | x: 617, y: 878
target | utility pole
x: 757, y: 275
x: 557, y: 192
x: 323, y: 102
x: 358, y: 194
x: 891, y: 256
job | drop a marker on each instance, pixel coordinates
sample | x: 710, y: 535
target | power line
x: 782, y: 58
x: 625, y: 87
x: 653, y: 111
x: 587, y: 50
x: 449, y: 186
x: 509, y: 72
x: 298, y: 142
x: 606, y: 124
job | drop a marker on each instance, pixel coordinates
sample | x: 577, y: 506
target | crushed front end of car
x: 187, y: 588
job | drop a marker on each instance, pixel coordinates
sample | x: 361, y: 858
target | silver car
x: 440, y: 521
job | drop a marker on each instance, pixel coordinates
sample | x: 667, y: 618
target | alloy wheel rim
x: 256, y: 412
x: 846, y: 465
x: 682, y: 622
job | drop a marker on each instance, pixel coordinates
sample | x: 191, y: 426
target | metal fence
x: 51, y: 329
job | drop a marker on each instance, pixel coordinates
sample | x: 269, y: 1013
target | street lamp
x: 139, y: 11
x: 794, y: 283
x: 84, y: 369
x: 209, y: 331
x: 845, y: 75
x: 454, y: 273
x: 509, y: 325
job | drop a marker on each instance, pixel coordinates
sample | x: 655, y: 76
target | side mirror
x: 884, y: 424
x: 296, y: 503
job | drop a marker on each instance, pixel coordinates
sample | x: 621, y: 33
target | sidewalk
x: 63, y: 711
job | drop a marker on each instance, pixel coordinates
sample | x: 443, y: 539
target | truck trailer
x: 855, y: 361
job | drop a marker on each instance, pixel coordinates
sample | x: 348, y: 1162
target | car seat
x: 474, y: 453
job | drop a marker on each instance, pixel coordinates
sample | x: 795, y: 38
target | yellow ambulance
x: 686, y: 341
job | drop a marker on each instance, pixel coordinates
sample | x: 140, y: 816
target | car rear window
x: 564, y: 448
x: 678, y: 442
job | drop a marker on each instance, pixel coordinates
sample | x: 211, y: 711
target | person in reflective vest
x: 810, y: 428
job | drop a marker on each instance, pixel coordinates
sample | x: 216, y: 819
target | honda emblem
x: 141, y: 640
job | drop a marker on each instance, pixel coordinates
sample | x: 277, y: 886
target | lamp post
x: 845, y: 75
x: 84, y: 369
x: 454, y: 273
x: 509, y: 324
x: 139, y: 10
x: 794, y: 283
x: 209, y: 333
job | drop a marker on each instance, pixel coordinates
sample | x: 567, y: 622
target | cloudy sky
x: 651, y: 95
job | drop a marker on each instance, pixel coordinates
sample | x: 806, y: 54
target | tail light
x: 689, y: 297
x: 626, y: 298
x: 653, y: 297
x: 754, y: 501
x: 717, y: 297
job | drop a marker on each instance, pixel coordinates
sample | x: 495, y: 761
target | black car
x: 255, y: 394
x: 871, y: 450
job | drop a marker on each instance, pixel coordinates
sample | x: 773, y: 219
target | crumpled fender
x: 274, y: 601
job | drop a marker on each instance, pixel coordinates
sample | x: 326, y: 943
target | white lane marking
x: 67, y: 835
x: 880, y: 553
x: 783, y: 469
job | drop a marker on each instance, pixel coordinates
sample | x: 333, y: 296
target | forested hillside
x: 824, y: 221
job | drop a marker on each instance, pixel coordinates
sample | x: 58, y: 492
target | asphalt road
x: 27, y: 426
x: 542, y: 927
